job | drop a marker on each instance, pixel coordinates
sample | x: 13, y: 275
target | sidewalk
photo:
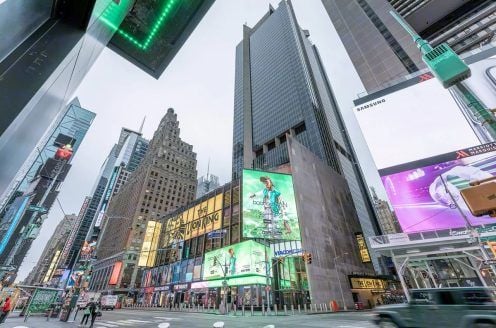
x: 14, y: 321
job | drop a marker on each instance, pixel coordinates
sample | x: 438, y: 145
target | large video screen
x: 425, y: 120
x: 242, y: 259
x: 269, y: 206
x: 425, y: 194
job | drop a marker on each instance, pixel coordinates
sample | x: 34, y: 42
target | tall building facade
x: 282, y: 89
x: 45, y: 269
x: 122, y: 160
x: 163, y: 182
x: 38, y: 185
x: 388, y: 222
x: 206, y: 184
x: 382, y: 52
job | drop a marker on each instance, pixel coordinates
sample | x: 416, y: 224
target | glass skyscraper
x: 122, y: 160
x: 281, y: 88
x: 36, y: 186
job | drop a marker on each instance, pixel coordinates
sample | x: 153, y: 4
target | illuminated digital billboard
x: 424, y: 119
x: 425, y: 194
x: 195, y: 221
x: 269, y: 206
x: 150, y: 244
x: 243, y: 259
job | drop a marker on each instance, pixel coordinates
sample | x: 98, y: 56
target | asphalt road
x: 163, y: 319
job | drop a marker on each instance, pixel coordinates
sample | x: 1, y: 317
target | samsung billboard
x: 427, y: 142
x: 425, y: 120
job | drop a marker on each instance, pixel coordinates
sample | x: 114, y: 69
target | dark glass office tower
x: 281, y: 88
x: 382, y: 52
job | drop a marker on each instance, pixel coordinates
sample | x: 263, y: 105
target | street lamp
x: 339, y: 279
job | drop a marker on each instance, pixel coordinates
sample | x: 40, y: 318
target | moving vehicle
x: 108, y: 302
x: 442, y: 307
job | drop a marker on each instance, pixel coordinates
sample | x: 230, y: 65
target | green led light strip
x: 109, y: 17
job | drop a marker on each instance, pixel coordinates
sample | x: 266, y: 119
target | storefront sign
x: 288, y: 252
x: 181, y: 287
x: 362, y: 247
x: 367, y: 283
x: 162, y: 288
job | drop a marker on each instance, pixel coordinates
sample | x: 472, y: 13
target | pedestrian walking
x: 86, y: 314
x: 5, y: 310
x: 95, y: 312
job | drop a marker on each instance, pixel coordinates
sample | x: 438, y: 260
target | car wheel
x: 484, y: 325
x: 387, y: 323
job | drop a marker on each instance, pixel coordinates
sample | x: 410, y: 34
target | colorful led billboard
x: 425, y: 194
x: 269, y: 206
x: 243, y: 259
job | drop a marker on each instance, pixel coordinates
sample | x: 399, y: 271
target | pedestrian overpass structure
x: 458, y: 257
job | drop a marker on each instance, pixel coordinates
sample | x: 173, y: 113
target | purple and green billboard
x: 420, y: 191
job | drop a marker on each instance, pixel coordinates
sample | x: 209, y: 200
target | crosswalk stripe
x: 106, y: 324
x: 138, y: 321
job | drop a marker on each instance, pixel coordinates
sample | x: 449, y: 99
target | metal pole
x: 267, y: 279
x: 400, y: 276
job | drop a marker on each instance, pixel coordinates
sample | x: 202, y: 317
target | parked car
x: 442, y: 307
x: 108, y: 302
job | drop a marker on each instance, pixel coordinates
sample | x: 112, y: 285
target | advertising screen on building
x: 269, y: 206
x: 425, y: 120
x: 420, y: 191
x: 150, y: 244
x: 242, y: 259
x: 195, y: 221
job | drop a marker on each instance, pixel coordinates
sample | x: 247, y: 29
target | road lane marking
x: 164, y: 325
x: 106, y: 324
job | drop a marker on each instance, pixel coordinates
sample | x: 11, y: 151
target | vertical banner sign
x: 362, y: 247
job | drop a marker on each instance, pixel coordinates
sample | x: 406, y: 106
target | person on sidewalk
x: 86, y: 314
x: 94, y: 313
x: 5, y: 310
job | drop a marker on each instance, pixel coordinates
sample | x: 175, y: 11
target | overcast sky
x: 199, y: 85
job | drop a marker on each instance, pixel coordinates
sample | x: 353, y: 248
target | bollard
x: 325, y: 306
x: 243, y: 309
x: 321, y: 308
x: 49, y: 314
x: 203, y: 308
x: 292, y: 309
x: 208, y: 307
x: 251, y: 310
x: 275, y: 309
x: 285, y: 309
x: 305, y: 307
x: 263, y: 309
x: 299, y: 308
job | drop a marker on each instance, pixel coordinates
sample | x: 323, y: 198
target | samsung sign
x: 288, y: 252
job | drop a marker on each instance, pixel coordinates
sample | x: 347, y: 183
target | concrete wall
x: 328, y: 223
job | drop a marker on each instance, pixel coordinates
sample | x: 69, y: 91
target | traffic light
x: 492, y: 247
x: 307, y: 257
